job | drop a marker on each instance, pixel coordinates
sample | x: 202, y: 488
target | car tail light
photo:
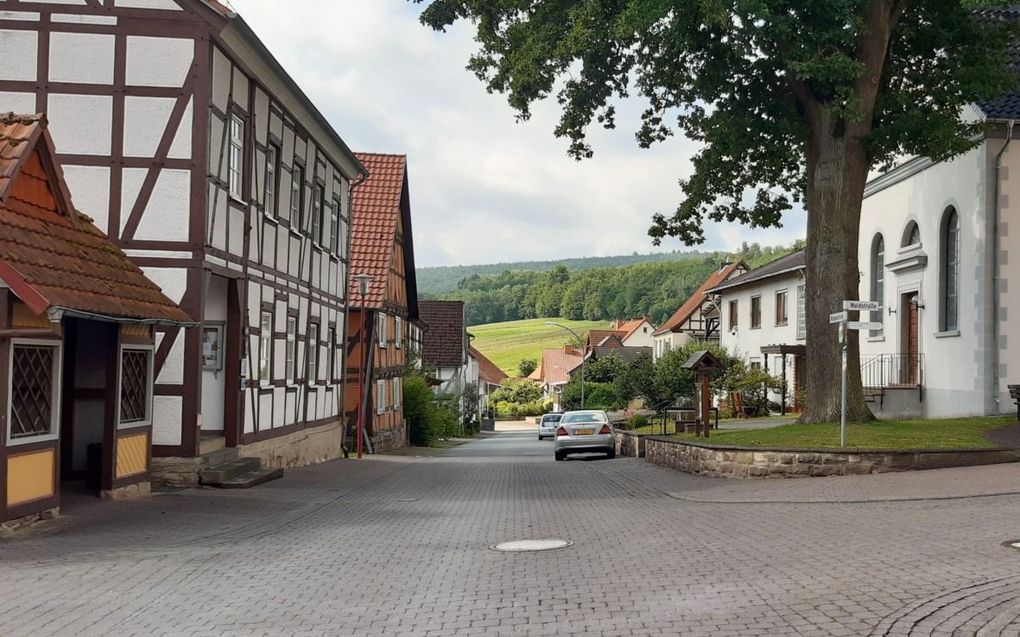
x: 605, y: 431
x: 562, y: 432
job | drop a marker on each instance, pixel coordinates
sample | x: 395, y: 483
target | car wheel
x: 540, y: 438
x: 560, y: 456
x: 611, y: 454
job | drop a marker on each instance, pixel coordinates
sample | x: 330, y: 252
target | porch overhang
x: 783, y: 350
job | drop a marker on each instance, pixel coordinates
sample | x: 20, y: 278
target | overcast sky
x: 484, y: 188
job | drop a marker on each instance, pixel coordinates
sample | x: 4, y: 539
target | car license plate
x: 584, y: 432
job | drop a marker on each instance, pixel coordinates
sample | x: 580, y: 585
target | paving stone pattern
x: 399, y: 545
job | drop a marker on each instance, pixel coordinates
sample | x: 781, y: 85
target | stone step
x: 220, y: 457
x: 216, y: 475
x: 252, y: 479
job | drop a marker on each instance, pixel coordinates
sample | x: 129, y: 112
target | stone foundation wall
x: 750, y: 462
x: 388, y: 439
x: 299, y: 449
x: 9, y: 528
x: 175, y: 472
x: 630, y: 444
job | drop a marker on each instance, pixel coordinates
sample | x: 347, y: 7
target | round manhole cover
x: 528, y: 546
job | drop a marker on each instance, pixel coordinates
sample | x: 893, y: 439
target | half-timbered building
x: 698, y: 318
x: 76, y: 339
x: 203, y: 159
x: 382, y: 250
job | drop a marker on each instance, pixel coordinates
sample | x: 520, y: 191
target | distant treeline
x: 434, y: 281
x: 652, y: 289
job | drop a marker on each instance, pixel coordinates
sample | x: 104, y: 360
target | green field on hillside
x: 507, y: 344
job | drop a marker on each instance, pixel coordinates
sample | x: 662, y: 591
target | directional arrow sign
x: 862, y: 306
x: 864, y: 325
x: 838, y: 317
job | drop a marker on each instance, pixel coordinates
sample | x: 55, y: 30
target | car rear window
x: 552, y: 418
x: 585, y: 416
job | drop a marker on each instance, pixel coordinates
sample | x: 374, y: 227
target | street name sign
x: 864, y: 325
x: 862, y: 306
x: 837, y: 317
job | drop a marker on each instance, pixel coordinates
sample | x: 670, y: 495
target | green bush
x: 637, y: 421
x: 517, y: 390
x: 430, y: 418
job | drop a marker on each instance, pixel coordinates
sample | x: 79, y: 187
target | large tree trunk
x: 837, y: 169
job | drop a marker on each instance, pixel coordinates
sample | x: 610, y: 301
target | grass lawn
x: 886, y: 434
x: 507, y: 344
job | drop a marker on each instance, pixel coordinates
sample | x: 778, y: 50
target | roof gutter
x: 738, y: 284
x: 56, y: 314
x: 996, y: 249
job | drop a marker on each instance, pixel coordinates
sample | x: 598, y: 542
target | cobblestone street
x: 399, y: 545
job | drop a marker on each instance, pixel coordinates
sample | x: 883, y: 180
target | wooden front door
x: 911, y: 339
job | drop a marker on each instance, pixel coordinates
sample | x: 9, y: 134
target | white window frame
x: 785, y: 292
x: 331, y: 351
x: 297, y: 197
x: 312, y: 355
x: 751, y: 324
x: 290, y: 351
x: 235, y: 158
x: 151, y: 351
x: 396, y: 389
x: 265, y: 348
x: 334, y: 227
x: 381, y: 326
x: 318, y: 202
x: 380, y: 397
x: 58, y: 365
x: 270, y: 204
x: 398, y: 329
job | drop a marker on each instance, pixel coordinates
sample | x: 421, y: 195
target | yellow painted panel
x: 30, y: 476
x: 132, y: 455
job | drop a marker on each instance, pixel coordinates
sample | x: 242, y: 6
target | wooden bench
x: 1014, y: 394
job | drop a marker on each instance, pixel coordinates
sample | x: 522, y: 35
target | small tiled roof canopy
x: 51, y: 256
x: 379, y: 202
x: 1006, y: 106
x: 443, y: 340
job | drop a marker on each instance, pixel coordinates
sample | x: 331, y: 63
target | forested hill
x: 604, y: 293
x: 435, y: 281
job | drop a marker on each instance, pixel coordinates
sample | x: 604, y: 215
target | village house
x: 382, y: 250
x: 763, y: 322
x: 553, y: 372
x: 639, y: 332
x: 935, y: 240
x: 698, y: 318
x: 204, y: 161
x: 77, y: 353
x: 490, y: 377
x: 445, y: 346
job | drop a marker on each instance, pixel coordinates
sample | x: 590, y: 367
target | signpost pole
x: 842, y: 411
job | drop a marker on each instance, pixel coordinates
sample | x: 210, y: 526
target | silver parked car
x: 547, y: 426
x: 585, y: 432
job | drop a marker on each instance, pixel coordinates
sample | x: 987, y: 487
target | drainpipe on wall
x: 996, y: 249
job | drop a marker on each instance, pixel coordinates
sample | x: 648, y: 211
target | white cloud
x: 483, y: 187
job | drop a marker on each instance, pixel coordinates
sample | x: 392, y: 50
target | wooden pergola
x: 784, y: 351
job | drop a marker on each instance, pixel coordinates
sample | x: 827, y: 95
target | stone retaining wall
x: 630, y: 444
x: 752, y: 462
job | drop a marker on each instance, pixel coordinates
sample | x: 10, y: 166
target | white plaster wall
x: 90, y: 189
x: 167, y: 414
x: 19, y: 51
x: 158, y: 61
x: 642, y: 337
x: 81, y: 124
x: 81, y: 58
x: 17, y: 102
x: 166, y: 216
x: 746, y: 342
x: 955, y: 366
x: 145, y: 119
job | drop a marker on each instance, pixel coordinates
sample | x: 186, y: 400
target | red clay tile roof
x: 596, y: 337
x: 632, y: 325
x: 487, y: 370
x: 53, y: 257
x: 443, y: 340
x: 694, y: 303
x: 556, y: 365
x: 376, y: 209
